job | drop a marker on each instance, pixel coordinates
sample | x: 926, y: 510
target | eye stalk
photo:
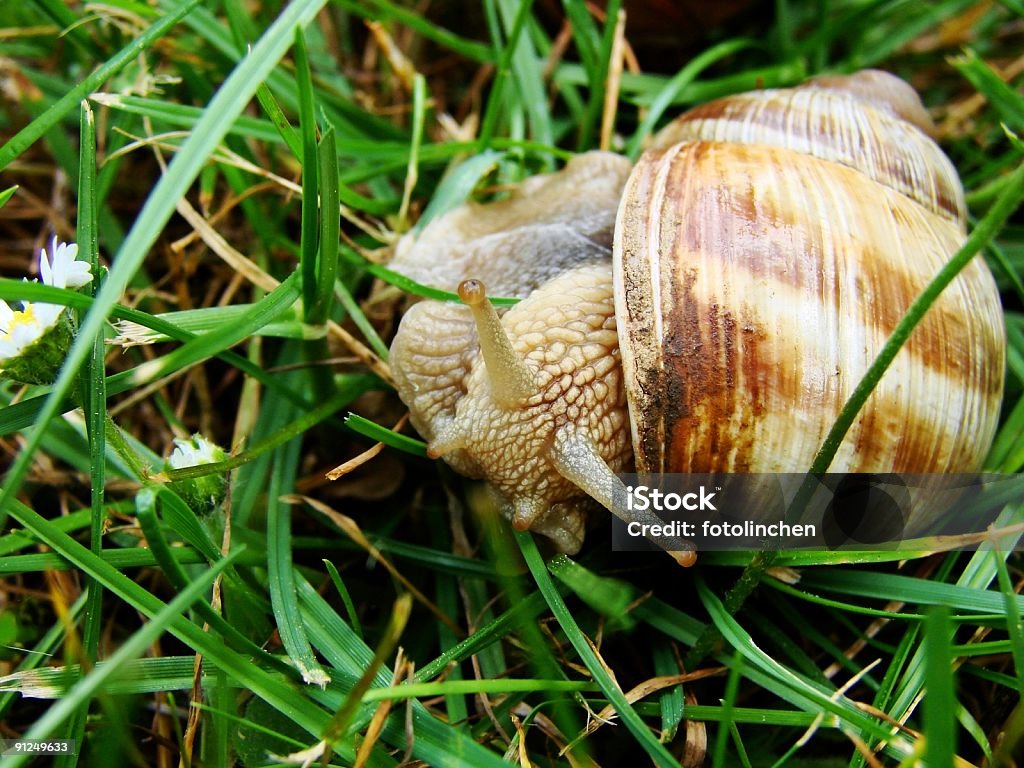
x: 512, y: 381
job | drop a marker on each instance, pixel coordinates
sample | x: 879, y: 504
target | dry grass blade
x: 611, y: 94
x: 522, y: 755
x: 400, y: 63
x: 865, y: 751
x: 403, y: 670
x: 549, y: 729
x: 354, y: 463
x: 695, y: 749
x: 840, y: 692
x: 653, y: 685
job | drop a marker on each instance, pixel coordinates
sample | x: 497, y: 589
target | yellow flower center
x: 24, y: 316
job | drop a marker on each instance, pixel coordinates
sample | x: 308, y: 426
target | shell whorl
x: 871, y: 121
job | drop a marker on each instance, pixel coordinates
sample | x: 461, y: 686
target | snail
x: 707, y: 310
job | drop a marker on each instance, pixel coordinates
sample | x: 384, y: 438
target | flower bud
x: 206, y: 492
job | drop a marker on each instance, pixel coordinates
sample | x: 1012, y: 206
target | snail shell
x: 762, y: 263
x: 764, y: 250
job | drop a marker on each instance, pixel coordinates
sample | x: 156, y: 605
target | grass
x: 382, y: 617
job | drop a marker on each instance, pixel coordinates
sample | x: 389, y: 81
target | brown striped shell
x: 765, y: 249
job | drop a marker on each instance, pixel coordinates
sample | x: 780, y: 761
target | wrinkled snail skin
x: 565, y: 333
x: 757, y: 272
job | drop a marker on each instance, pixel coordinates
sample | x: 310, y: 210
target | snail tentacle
x: 512, y: 381
x: 447, y: 439
x: 577, y: 458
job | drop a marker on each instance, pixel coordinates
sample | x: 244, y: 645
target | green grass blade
x: 7, y: 194
x: 458, y: 184
x: 147, y: 675
x: 277, y: 116
x: 492, y: 632
x: 283, y: 594
x: 883, y: 586
x: 732, y: 685
x: 121, y: 559
x: 55, y: 113
x: 346, y: 598
x: 940, y: 704
x: 671, y: 700
x: 610, y: 597
x: 309, y: 230
x: 93, y: 397
x: 386, y: 9
x: 1008, y: 103
x: 327, y: 256
x: 228, y: 103
x: 637, y: 727
x: 1014, y: 624
x: 375, y: 431
x: 135, y: 646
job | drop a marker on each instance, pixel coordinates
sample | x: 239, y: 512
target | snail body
x: 763, y: 250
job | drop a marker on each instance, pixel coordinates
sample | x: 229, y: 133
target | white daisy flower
x: 20, y: 327
x: 36, y: 329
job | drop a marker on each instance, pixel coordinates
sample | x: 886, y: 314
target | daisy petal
x: 46, y: 268
x: 47, y: 315
x: 78, y: 274
x: 63, y: 270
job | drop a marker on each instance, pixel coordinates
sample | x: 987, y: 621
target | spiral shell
x: 764, y: 252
